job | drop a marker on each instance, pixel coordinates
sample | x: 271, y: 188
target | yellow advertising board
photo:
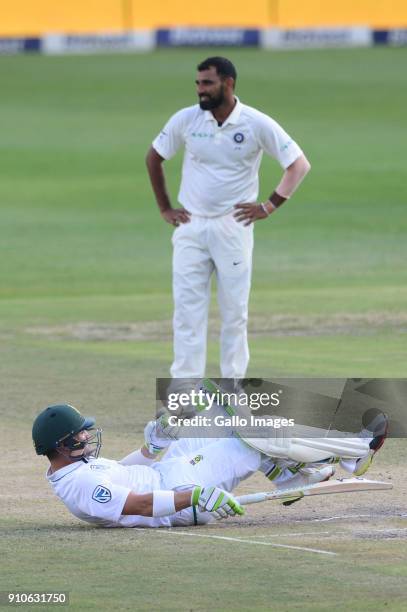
x: 29, y: 17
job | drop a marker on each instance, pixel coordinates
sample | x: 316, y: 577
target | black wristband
x: 277, y: 199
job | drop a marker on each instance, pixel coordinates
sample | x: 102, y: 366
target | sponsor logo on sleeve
x: 101, y: 494
x: 285, y: 146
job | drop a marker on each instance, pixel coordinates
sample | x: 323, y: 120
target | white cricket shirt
x: 96, y: 491
x: 221, y: 164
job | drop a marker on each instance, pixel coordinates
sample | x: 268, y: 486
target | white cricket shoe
x: 378, y: 428
x: 377, y: 431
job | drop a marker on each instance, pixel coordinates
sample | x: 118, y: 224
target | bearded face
x: 210, y: 101
x: 210, y: 88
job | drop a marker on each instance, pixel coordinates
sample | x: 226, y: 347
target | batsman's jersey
x: 221, y: 163
x: 97, y: 491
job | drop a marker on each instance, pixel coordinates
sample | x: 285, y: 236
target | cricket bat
x: 340, y: 485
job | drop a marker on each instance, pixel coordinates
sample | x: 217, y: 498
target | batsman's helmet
x: 58, y: 424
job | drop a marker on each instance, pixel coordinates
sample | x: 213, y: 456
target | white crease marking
x: 336, y: 534
x: 350, y: 516
x: 289, y: 535
x: 389, y: 530
x: 230, y: 539
x: 338, y: 518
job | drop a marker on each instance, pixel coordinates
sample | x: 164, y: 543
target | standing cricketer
x: 224, y: 142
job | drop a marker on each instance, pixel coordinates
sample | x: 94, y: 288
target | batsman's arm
x: 164, y: 503
x: 142, y: 456
x: 174, y: 216
x: 158, y: 435
x: 158, y: 503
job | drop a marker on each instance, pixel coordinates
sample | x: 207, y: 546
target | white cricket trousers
x: 201, y: 247
x: 189, y: 462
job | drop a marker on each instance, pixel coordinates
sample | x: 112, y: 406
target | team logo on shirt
x: 101, y: 494
x: 238, y: 137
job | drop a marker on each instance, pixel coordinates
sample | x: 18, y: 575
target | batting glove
x: 218, y: 501
x: 159, y: 434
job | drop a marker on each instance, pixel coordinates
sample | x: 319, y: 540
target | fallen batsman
x: 193, y: 483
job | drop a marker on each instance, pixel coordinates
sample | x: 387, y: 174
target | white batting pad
x: 310, y: 449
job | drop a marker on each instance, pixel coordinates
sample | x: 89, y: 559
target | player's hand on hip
x: 249, y: 213
x: 176, y: 216
x: 213, y: 499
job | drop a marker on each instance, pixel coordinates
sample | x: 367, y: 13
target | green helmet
x: 56, y: 424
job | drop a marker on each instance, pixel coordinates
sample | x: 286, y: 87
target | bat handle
x: 252, y: 498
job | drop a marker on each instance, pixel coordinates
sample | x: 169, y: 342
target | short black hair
x: 224, y: 67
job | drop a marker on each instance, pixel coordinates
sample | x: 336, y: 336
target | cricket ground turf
x: 85, y: 318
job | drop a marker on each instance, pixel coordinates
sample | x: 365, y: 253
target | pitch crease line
x: 351, y: 516
x: 290, y: 535
x: 230, y: 539
x: 337, y: 518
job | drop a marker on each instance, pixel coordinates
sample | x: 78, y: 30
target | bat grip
x: 252, y: 498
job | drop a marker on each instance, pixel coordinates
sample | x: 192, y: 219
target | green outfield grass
x: 82, y: 245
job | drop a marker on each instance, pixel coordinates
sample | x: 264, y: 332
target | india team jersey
x: 221, y: 163
x: 96, y: 491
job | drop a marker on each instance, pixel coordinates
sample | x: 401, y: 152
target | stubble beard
x: 212, y: 102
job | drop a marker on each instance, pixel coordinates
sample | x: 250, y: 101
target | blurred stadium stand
x: 39, y: 17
